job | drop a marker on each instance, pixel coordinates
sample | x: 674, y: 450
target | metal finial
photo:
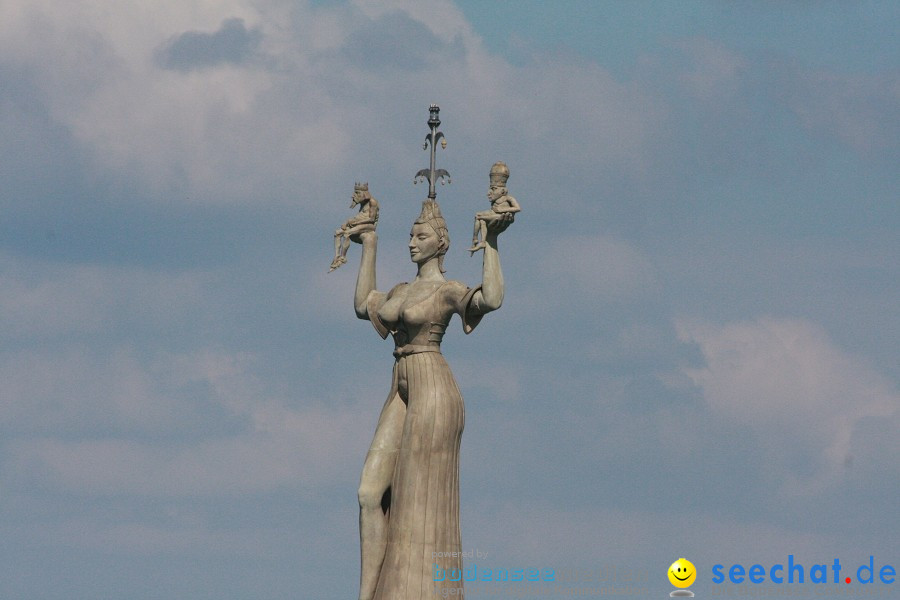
x: 431, y: 174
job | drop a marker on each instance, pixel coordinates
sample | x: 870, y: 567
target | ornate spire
x: 431, y: 174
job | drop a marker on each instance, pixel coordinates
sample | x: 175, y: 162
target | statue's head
x: 431, y: 221
x: 360, y: 194
x: 499, y: 174
x: 495, y: 192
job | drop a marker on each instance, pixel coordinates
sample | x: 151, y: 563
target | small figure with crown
x: 503, y: 206
x: 365, y: 220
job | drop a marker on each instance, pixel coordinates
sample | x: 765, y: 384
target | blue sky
x: 697, y: 355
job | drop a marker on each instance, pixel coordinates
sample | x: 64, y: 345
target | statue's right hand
x: 364, y: 237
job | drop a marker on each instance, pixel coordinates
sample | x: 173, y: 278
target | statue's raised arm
x: 488, y: 225
x: 365, y: 280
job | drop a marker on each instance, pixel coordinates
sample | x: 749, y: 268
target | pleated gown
x: 423, y: 517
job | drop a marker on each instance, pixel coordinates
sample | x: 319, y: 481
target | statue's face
x: 495, y: 192
x: 357, y: 198
x: 424, y: 243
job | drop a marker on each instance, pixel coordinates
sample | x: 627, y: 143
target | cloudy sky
x: 698, y: 353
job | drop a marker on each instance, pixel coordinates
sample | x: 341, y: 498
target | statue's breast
x: 389, y: 313
x: 418, y: 313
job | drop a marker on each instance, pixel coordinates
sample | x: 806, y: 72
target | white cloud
x: 144, y: 539
x: 502, y: 379
x: 208, y: 130
x: 800, y: 395
x: 716, y: 71
x: 295, y: 111
x: 442, y: 18
x: 77, y: 391
x: 279, y: 444
x: 597, y: 267
x: 40, y: 299
x: 860, y: 110
x: 103, y: 411
x: 598, y: 537
x: 92, y: 409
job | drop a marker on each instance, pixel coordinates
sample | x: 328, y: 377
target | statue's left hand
x: 499, y: 225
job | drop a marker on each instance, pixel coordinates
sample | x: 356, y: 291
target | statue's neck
x: 430, y: 271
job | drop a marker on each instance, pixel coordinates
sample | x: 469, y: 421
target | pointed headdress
x: 431, y: 216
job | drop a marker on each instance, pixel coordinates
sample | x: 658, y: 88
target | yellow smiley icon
x: 682, y: 573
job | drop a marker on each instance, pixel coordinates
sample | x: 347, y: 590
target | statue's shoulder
x: 397, y: 288
x: 455, y: 288
x: 463, y: 299
x: 455, y: 292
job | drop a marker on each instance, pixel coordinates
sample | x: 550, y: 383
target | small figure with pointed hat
x: 503, y: 206
x: 362, y: 222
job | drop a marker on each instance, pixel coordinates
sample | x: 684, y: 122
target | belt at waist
x: 408, y: 349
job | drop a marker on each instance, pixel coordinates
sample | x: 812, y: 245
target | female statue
x: 409, y: 488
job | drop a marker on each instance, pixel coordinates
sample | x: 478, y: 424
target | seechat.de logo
x: 682, y: 574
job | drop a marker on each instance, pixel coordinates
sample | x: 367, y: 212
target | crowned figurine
x: 503, y: 206
x: 363, y: 221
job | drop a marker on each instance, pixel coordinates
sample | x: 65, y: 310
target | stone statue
x: 362, y: 222
x: 409, y: 488
x: 503, y: 206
